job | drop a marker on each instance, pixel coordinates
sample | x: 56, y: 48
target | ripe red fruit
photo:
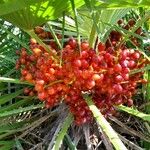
x: 84, y: 64
x: 118, y: 68
x: 136, y: 55
x: 101, y: 47
x: 84, y: 46
x: 130, y: 102
x: 90, y: 84
x: 131, y: 64
x: 31, y: 93
x: 37, y: 51
x: 124, y: 54
x: 108, y: 57
x: 39, y: 87
x: 40, y: 82
x: 51, y: 70
x: 118, y: 101
x: 104, y: 76
x: 22, y: 60
x: 124, y: 64
x: 24, y: 72
x: 38, y: 30
x: 28, y: 77
x: 84, y: 54
x: 51, y: 91
x: 117, y: 88
x: 33, y: 41
x: 77, y: 63
x: 125, y: 76
x: 96, y: 77
x: 32, y: 58
x: 42, y: 95
x: 119, y: 78
x: 125, y: 70
x: 73, y: 43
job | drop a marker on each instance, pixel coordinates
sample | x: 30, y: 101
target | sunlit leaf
x: 135, y: 112
x: 28, y: 14
x: 105, y: 126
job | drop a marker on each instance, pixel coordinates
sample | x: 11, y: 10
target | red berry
x: 101, y: 47
x: 118, y: 68
x: 119, y: 78
x: 39, y: 87
x: 73, y: 43
x: 84, y: 46
x: 51, y: 91
x: 84, y: 54
x: 96, y: 77
x: 130, y: 102
x: 118, y: 88
x: 28, y: 77
x: 131, y: 64
x: 77, y: 63
x: 90, y: 84
x: 37, y: 51
x: 42, y: 95
x: 136, y: 55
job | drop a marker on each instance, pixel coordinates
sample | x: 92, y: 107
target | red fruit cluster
x: 104, y: 75
x: 47, y: 36
x: 115, y: 37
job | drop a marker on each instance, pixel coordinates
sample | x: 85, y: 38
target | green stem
x: 62, y: 132
x: 33, y: 35
x: 62, y: 41
x: 134, y: 112
x: 76, y: 22
x: 112, y: 135
x: 70, y: 144
x: 54, y: 35
x: 92, y: 37
x: 95, y: 18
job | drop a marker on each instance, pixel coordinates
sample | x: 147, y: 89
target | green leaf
x: 62, y: 132
x: 70, y: 144
x: 147, y: 88
x: 20, y: 110
x: 135, y: 112
x: 7, y: 58
x: 146, y: 68
x: 9, y: 127
x: 112, y: 135
x: 17, y: 104
x: 18, y: 145
x: 34, y: 12
x: 110, y: 17
x: 10, y: 80
x: 14, y: 37
x: 6, y: 145
x: 7, y: 97
x: 113, y: 4
x: 11, y: 6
